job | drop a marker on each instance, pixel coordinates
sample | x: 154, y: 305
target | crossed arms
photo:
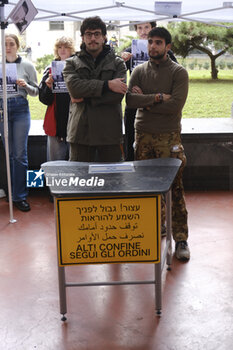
x: 96, y: 91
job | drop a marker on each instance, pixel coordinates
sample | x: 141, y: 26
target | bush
x: 124, y: 44
x: 43, y: 62
x: 206, y: 65
x: 221, y: 65
x: 230, y: 65
x: 191, y: 65
x: 183, y: 62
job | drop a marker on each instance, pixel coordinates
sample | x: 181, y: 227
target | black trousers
x: 105, y: 153
x: 129, y: 119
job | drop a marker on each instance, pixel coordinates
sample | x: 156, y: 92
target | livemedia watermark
x: 37, y: 179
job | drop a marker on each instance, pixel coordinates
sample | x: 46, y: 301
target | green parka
x: 98, y: 119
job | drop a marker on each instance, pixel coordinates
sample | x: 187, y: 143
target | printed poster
x: 59, y: 84
x: 23, y: 14
x: 139, y: 52
x: 11, y: 77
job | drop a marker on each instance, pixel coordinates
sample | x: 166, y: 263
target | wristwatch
x: 159, y: 97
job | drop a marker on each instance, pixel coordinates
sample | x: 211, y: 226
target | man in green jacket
x: 95, y: 78
x: 159, y: 88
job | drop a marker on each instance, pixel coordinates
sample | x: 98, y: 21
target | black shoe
x: 22, y: 205
x: 2, y: 193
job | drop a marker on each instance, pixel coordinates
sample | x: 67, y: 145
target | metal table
x: 139, y: 179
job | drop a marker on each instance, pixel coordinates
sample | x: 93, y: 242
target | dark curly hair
x: 161, y: 32
x: 93, y: 23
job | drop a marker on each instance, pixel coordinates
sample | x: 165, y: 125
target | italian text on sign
x: 109, y: 230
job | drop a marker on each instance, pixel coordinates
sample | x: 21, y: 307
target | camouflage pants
x: 149, y: 146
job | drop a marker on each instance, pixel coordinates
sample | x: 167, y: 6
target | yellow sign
x: 108, y: 230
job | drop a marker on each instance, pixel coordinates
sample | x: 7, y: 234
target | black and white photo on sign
x: 11, y: 77
x: 139, y: 52
x: 23, y: 14
x: 58, y: 85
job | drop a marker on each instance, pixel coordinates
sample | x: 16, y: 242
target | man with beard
x: 95, y: 78
x: 142, y: 30
x: 158, y: 89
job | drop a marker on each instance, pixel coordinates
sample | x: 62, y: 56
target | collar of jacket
x: 106, y: 50
x: 18, y: 60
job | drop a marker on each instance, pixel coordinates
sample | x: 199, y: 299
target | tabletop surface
x: 153, y: 176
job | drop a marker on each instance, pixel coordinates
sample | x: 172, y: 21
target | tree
x: 43, y: 62
x: 125, y: 43
x: 213, y: 41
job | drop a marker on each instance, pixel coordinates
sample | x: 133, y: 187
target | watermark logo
x: 35, y: 178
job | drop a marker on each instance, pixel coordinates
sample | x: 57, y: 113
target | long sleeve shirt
x: 169, y: 78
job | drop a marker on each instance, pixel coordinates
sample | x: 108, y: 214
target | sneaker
x: 22, y: 205
x: 2, y: 193
x: 182, y: 251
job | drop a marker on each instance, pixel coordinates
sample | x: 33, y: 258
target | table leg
x: 158, y: 289
x: 62, y: 291
x: 169, y: 228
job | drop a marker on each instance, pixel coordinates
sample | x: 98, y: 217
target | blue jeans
x: 18, y: 129
x: 57, y: 149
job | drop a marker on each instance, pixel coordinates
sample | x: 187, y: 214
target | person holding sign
x: 158, y: 89
x: 18, y: 120
x: 95, y: 78
x: 58, y: 101
x: 142, y: 30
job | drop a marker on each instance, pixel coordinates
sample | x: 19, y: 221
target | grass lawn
x: 37, y: 108
x: 207, y: 98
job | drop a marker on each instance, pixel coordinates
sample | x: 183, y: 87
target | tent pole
x: 3, y: 25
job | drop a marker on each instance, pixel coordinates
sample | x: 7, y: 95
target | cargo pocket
x: 177, y: 151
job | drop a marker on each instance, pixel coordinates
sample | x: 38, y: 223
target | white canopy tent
x: 215, y: 12
x: 208, y: 11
